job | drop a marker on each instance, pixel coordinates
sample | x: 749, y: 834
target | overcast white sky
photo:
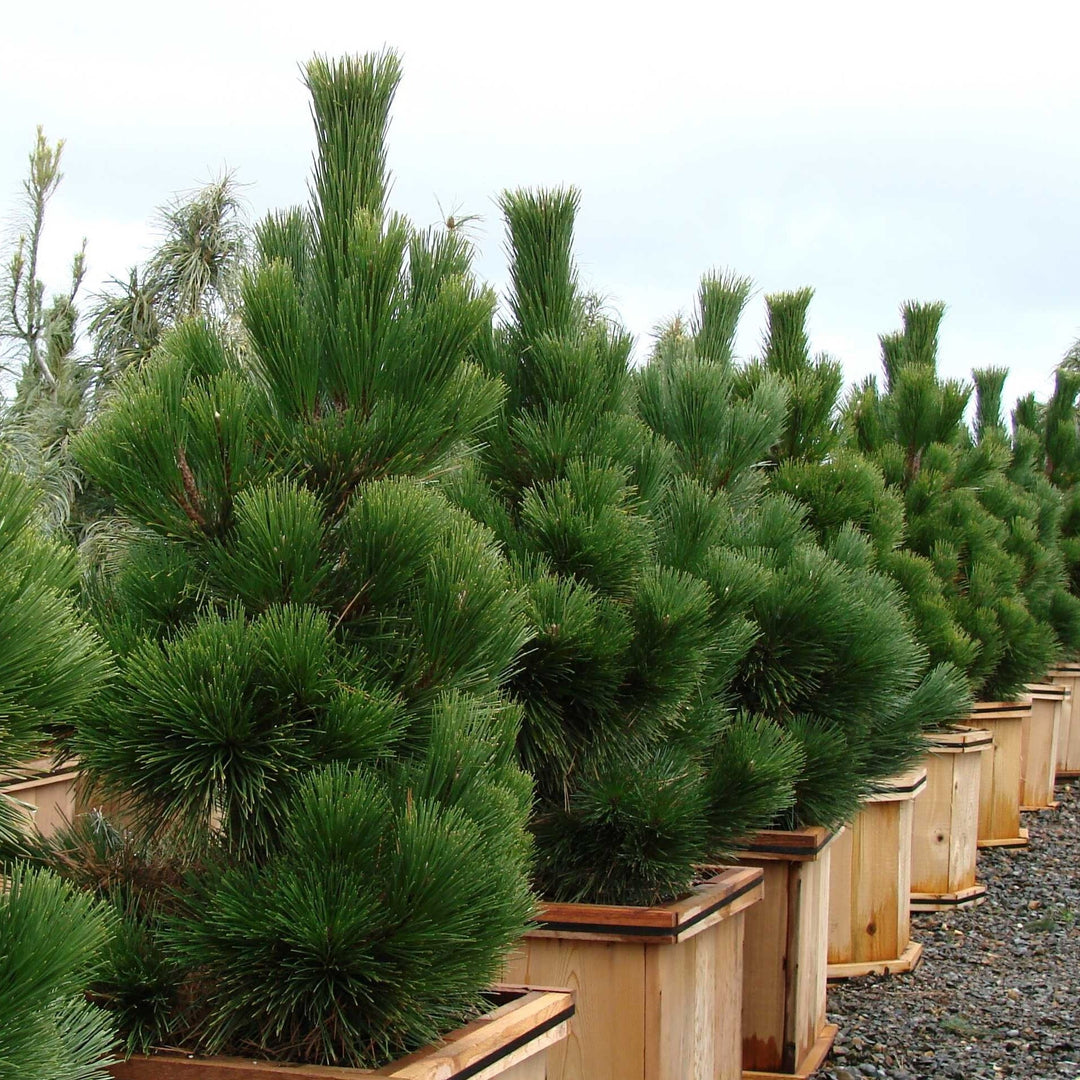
x: 876, y: 151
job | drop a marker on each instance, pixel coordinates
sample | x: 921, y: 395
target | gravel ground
x: 998, y: 990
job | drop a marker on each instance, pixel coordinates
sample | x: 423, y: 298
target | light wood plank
x: 999, y: 780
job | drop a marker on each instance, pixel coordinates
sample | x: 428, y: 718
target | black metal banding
x: 946, y: 747
x: 648, y: 931
x: 903, y: 790
x: 951, y: 901
x: 787, y: 849
x: 514, y: 1044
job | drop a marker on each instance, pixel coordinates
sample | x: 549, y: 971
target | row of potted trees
x: 438, y: 648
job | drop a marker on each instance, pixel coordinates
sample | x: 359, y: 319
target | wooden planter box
x: 511, y: 1042
x: 1068, y: 755
x: 870, y: 885
x: 658, y: 990
x: 46, y: 791
x: 944, y: 839
x: 785, y: 956
x: 1039, y: 747
x: 999, y: 783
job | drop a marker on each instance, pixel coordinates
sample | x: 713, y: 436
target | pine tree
x: 1032, y: 510
x: 1047, y: 441
x: 834, y: 660
x: 50, y: 937
x: 913, y: 429
x: 51, y: 665
x: 306, y: 732
x: 641, y: 771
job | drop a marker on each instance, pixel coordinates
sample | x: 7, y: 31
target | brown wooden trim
x: 1000, y: 710
x: 39, y: 781
x: 1019, y: 840
x: 908, y: 960
x: 970, y: 897
x: 532, y: 1016
x: 797, y: 844
x: 726, y: 894
x: 906, y: 786
x: 961, y: 740
x: 1046, y: 691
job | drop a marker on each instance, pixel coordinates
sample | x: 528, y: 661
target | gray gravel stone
x: 998, y: 991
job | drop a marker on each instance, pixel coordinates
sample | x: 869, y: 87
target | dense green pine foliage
x: 50, y: 936
x: 1032, y: 510
x: 50, y: 664
x: 306, y: 729
x: 956, y: 503
x: 51, y: 939
x: 834, y: 659
x: 1047, y: 440
x: 641, y: 768
x: 841, y: 488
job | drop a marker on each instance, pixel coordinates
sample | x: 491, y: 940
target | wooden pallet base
x: 1009, y: 841
x: 908, y: 960
x: 962, y: 898
x: 815, y: 1058
x: 1045, y: 806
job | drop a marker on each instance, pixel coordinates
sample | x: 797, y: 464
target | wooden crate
x: 999, y: 781
x: 945, y: 830
x: 511, y: 1042
x: 1039, y: 747
x: 870, y: 885
x: 52, y: 792
x: 785, y: 955
x: 46, y: 792
x: 658, y: 990
x: 1068, y: 755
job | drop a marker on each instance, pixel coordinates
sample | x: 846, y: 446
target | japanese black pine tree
x: 913, y: 428
x: 834, y: 660
x: 306, y: 732
x: 51, y: 937
x: 641, y: 769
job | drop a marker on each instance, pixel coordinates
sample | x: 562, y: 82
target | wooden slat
x: 765, y: 966
x: 1068, y: 759
x: 1046, y: 691
x: 692, y: 996
x: 1038, y: 753
x: 52, y: 797
x: 901, y: 789
x: 606, y: 1039
x: 807, y: 843
x: 999, y: 780
x: 996, y: 710
x: 909, y: 961
x: 931, y: 836
x: 724, y: 896
x: 946, y: 817
x: 809, y: 1065
x: 646, y: 1010
x: 528, y: 1020
x: 869, y: 907
x: 959, y: 740
x: 493, y: 1036
x: 785, y: 957
x: 963, y: 898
